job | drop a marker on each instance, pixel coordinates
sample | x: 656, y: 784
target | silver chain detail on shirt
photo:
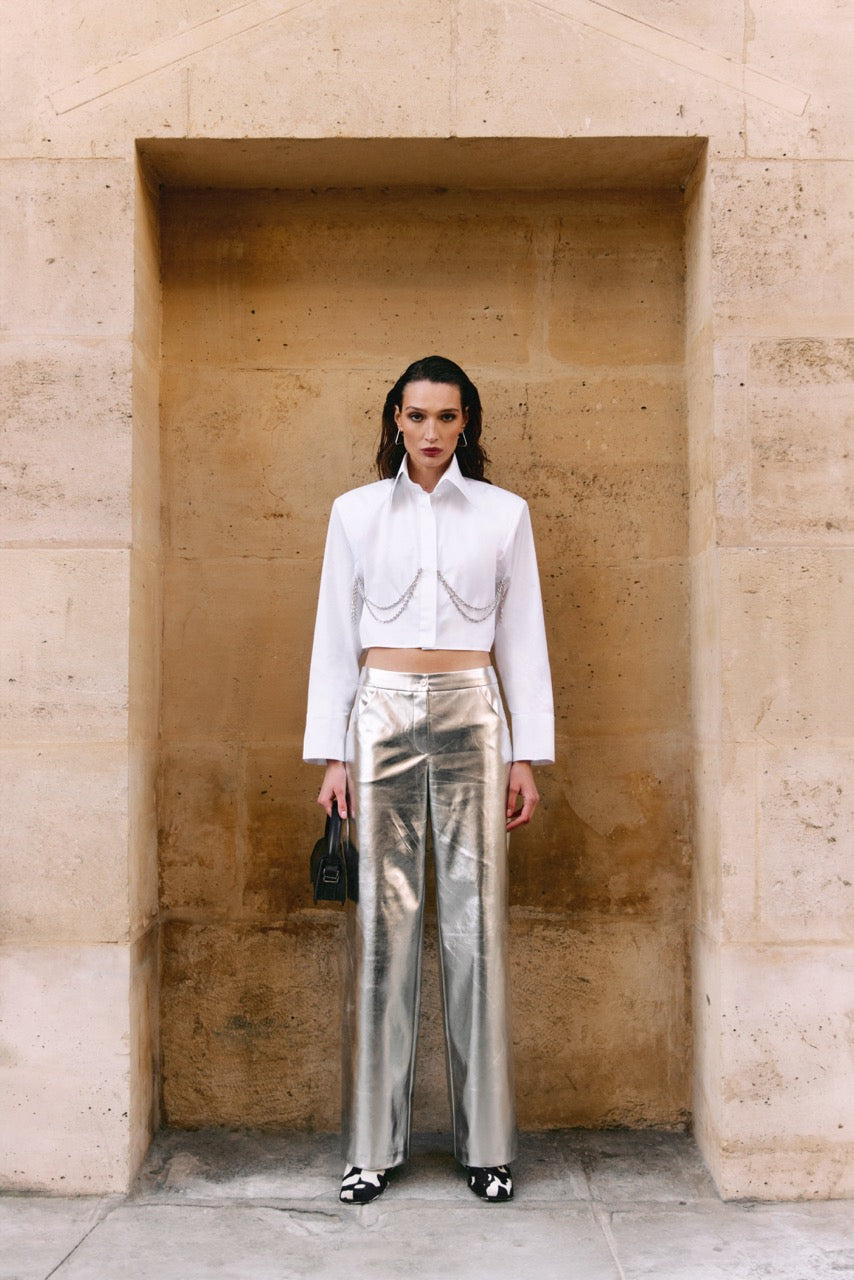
x: 377, y: 611
x: 476, y: 612
x: 391, y: 612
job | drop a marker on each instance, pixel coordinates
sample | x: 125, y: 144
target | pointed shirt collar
x: 453, y: 476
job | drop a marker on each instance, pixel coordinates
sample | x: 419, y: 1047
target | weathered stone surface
x: 63, y: 856
x: 236, y: 645
x: 199, y: 790
x: 616, y: 297
x: 46, y: 285
x: 600, y: 1015
x: 792, y: 44
x: 55, y: 105
x: 66, y: 440
x: 310, y: 70
x: 554, y: 72
x: 64, y: 647
x: 146, y: 629
x: 805, y: 825
x: 779, y: 252
x: 282, y: 824
x: 263, y: 441
x: 145, y: 478
x: 245, y: 1037
x: 801, y: 418
x: 298, y: 277
x: 611, y: 834
x: 785, y: 1063
x: 244, y: 1041
x: 620, y: 654
x: 785, y: 635
x: 141, y: 886
x: 66, y: 1062
x: 144, y: 1049
x: 732, y: 453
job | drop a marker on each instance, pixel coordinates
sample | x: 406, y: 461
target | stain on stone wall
x: 286, y: 317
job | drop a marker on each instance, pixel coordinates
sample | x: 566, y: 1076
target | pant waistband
x: 434, y: 681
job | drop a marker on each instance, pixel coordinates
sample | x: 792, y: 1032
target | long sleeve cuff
x: 325, y: 739
x: 534, y: 737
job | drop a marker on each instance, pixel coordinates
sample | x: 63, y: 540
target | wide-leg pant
x: 428, y: 748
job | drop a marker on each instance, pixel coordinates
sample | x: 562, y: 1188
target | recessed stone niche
x: 297, y: 283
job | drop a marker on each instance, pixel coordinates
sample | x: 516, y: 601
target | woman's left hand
x: 521, y: 784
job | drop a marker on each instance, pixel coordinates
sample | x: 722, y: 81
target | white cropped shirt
x: 451, y: 569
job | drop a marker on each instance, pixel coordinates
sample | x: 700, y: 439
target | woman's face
x: 431, y: 419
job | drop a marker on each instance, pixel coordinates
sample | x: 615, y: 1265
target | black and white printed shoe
x: 361, y: 1186
x: 493, y: 1184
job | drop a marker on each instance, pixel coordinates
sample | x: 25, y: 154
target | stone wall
x: 767, y: 372
x: 286, y: 318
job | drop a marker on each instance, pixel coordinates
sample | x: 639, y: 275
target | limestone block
x: 809, y: 48
x: 616, y: 295
x: 613, y: 512
x: 282, y: 823
x: 706, y: 1044
x: 244, y: 1037
x: 314, y: 74
x: 705, y: 647
x: 576, y: 69
x: 65, y: 1068
x: 718, y: 26
x: 801, y: 419
x: 85, y: 82
x: 699, y: 417
x: 804, y: 1172
x: 609, y: 454
x: 365, y: 391
x: 297, y: 278
x: 146, y: 628
x: 785, y: 1067
x: 66, y: 446
x: 65, y: 645
x: 600, y: 1025
x: 806, y: 830
x: 146, y: 477
x: 63, y: 843
x: 273, y: 447
x: 619, y: 646
x: 726, y: 840
x: 600, y: 1016
x: 599, y: 416
x: 47, y: 286
x: 732, y: 451
x: 611, y: 833
x: 236, y: 647
x: 199, y: 793
x: 142, y: 871
x: 785, y: 636
x: 144, y: 1049
x: 780, y: 245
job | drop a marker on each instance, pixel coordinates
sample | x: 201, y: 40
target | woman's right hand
x: 333, y: 789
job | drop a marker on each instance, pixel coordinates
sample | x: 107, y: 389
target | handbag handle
x: 333, y: 829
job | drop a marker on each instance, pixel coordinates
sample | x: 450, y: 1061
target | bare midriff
x: 426, y: 661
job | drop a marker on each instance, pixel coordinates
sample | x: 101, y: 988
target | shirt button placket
x: 427, y: 594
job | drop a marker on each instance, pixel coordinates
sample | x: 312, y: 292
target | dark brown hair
x: 471, y: 457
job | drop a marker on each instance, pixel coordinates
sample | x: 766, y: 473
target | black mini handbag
x: 334, y: 864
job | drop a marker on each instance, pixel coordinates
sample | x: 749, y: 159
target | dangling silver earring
x: 397, y: 437
x: 461, y: 440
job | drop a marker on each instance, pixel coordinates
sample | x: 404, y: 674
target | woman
x: 424, y: 573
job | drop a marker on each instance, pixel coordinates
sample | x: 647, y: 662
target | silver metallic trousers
x: 428, y: 748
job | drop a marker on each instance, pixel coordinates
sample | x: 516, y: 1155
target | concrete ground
x: 588, y: 1206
